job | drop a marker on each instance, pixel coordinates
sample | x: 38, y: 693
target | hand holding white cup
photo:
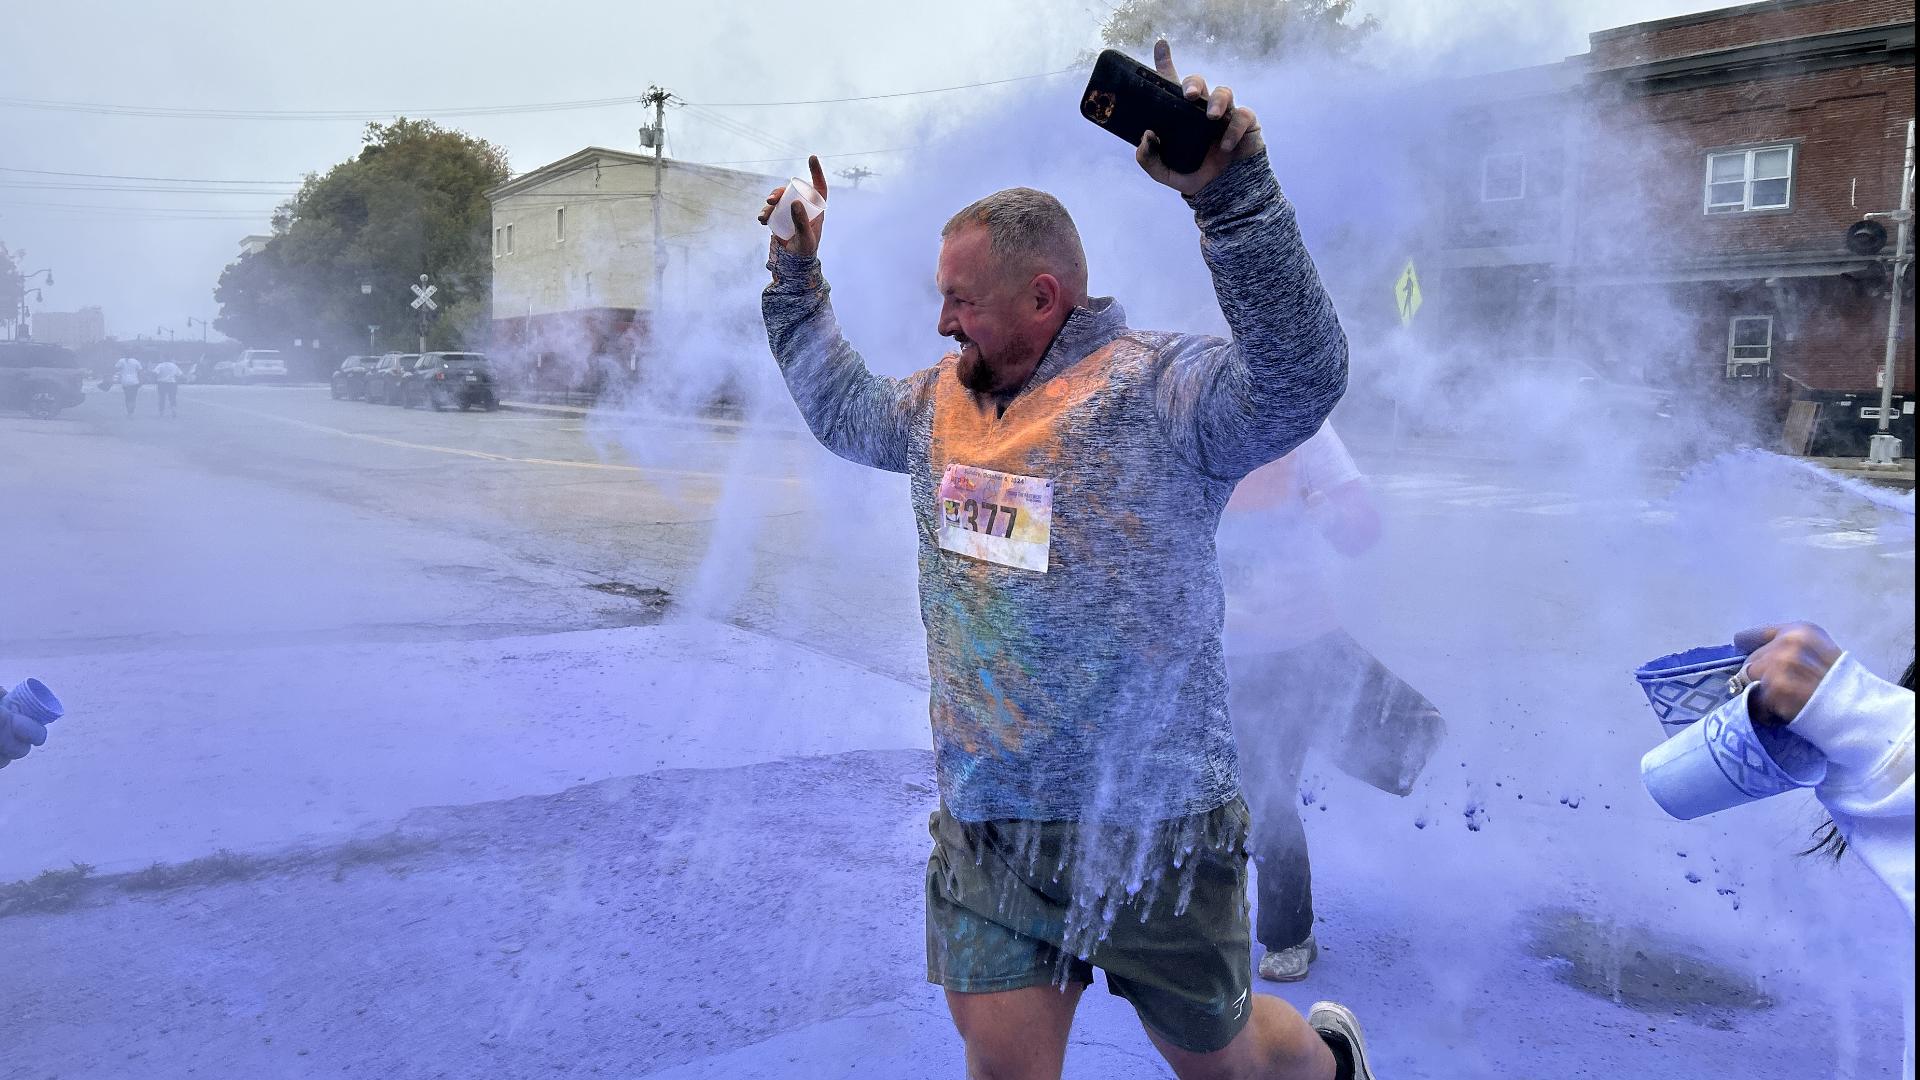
x: 801, y: 207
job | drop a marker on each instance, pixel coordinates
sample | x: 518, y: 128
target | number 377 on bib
x: 996, y: 517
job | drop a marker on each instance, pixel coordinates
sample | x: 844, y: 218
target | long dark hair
x: 1827, y: 840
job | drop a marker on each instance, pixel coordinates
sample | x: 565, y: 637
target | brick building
x: 1677, y: 201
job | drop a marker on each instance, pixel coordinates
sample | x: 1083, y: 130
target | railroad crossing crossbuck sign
x: 1406, y: 294
x: 423, y: 297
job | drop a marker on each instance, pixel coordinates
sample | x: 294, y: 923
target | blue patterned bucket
x: 1725, y: 761
x: 34, y: 701
x: 1682, y: 687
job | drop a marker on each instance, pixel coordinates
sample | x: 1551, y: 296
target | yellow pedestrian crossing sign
x: 1406, y: 294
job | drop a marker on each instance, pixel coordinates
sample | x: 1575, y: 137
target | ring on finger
x: 1738, y: 684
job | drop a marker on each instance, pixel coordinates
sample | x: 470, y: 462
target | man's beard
x: 980, y: 374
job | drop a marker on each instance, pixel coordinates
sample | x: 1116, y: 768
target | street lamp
x: 20, y: 332
x: 171, y: 336
x: 203, y: 327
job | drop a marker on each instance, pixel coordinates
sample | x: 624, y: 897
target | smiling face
x: 1001, y: 314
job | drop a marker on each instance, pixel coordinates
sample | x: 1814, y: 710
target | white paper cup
x: 34, y: 701
x: 1724, y: 761
x: 781, y: 221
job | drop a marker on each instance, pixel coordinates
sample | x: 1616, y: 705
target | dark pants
x: 1270, y: 699
x: 169, y: 398
x: 133, y: 394
x: 1330, y: 693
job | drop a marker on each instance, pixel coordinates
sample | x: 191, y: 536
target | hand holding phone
x: 1184, y: 134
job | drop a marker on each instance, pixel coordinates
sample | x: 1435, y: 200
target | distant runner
x: 1067, y: 476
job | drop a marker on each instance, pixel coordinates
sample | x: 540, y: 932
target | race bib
x: 995, y: 516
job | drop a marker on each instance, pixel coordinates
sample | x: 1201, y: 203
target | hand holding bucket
x: 1725, y: 760
x: 25, y: 712
x: 1682, y: 687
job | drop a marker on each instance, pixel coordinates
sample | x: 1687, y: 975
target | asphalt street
x: 508, y: 658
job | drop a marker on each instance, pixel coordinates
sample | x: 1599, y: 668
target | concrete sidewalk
x: 308, y: 743
x: 1899, y: 476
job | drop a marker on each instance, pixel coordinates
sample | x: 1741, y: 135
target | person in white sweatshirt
x: 1864, y: 726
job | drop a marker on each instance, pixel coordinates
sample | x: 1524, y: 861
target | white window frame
x: 1747, y: 180
x: 509, y: 247
x: 1743, y: 367
x: 1487, y: 160
x: 496, y: 241
x: 559, y: 224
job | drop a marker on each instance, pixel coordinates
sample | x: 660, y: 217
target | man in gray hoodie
x: 1067, y: 476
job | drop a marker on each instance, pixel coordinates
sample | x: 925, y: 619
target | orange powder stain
x: 1265, y: 488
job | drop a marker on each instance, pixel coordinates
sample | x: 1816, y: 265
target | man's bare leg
x: 1276, y: 1044
x: 1016, y: 1034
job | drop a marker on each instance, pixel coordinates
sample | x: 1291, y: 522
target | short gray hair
x: 1029, y: 228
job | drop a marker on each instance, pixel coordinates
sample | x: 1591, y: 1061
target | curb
x: 577, y: 412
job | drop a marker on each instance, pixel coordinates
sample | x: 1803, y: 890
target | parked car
x: 256, y: 364
x: 383, y: 382
x: 446, y: 379
x: 350, y: 381
x: 38, y: 378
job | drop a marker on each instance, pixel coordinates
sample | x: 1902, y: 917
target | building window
x: 1503, y: 177
x: 508, y: 250
x: 1749, y: 346
x: 559, y: 224
x: 496, y: 241
x: 1757, y: 179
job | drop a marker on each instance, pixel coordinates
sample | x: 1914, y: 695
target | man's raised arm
x: 1231, y: 407
x: 858, y: 415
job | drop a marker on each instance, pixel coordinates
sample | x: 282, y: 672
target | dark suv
x: 41, y: 379
x: 383, y: 382
x: 350, y: 381
x: 444, y: 379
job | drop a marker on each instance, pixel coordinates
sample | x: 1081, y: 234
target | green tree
x: 411, y: 202
x: 1240, y: 29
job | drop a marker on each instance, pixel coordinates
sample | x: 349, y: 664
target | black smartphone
x: 1130, y: 99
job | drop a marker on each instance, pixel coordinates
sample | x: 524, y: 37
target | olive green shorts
x: 1161, y: 908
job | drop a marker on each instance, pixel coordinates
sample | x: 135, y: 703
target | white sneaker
x: 1337, y: 1021
x: 1290, y: 965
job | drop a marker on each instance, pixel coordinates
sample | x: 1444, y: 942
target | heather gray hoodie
x: 1068, y: 580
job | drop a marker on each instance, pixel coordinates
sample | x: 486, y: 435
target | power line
x: 157, y: 179
x: 103, y: 108
x: 37, y: 186
x: 880, y: 97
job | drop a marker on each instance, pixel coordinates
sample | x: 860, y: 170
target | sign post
x: 423, y: 303
x: 1406, y: 300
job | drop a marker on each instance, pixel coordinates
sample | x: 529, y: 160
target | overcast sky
x: 148, y: 251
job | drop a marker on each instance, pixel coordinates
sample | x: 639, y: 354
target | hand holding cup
x: 805, y: 239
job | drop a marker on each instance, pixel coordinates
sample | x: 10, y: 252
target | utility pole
x: 857, y: 174
x: 657, y: 98
x: 1884, y: 447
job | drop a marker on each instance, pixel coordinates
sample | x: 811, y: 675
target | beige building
x: 574, y: 252
x: 73, y: 328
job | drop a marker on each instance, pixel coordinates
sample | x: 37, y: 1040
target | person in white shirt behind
x: 1297, y: 680
x: 1864, y: 725
x: 126, y: 372
x: 166, y: 379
